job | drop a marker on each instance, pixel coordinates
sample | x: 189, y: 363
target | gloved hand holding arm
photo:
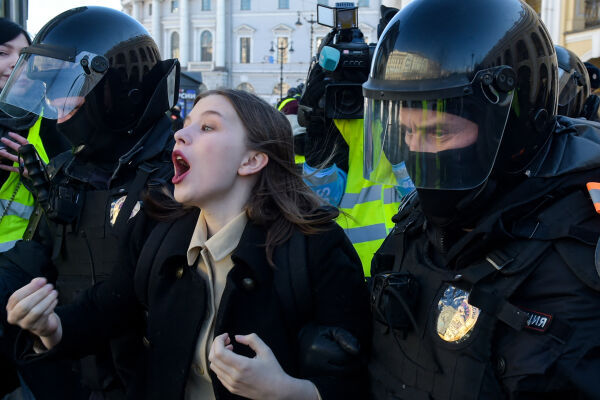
x: 328, y: 350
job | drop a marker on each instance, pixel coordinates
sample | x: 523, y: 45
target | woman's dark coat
x: 175, y: 297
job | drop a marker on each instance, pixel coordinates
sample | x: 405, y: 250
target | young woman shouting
x: 217, y: 323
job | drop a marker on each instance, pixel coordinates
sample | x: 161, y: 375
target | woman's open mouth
x: 182, y: 167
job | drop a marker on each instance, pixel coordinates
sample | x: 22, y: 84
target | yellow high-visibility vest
x: 17, y: 198
x: 369, y: 207
x: 284, y: 102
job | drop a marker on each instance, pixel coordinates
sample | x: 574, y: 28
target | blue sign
x: 186, y: 100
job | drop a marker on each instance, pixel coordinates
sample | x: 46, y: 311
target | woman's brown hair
x: 280, y: 200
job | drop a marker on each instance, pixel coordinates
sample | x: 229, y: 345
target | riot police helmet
x: 293, y: 92
x: 98, y: 60
x: 573, y: 83
x: 457, y: 92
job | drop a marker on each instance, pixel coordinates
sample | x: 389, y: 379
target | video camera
x: 336, y: 74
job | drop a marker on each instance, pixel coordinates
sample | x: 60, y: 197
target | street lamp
x: 310, y: 21
x: 281, y: 49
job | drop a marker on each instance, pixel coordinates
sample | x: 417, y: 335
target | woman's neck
x: 222, y: 209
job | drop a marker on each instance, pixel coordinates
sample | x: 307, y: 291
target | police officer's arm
x: 340, y: 300
x: 102, y: 312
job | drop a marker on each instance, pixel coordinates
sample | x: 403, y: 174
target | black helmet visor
x: 568, y: 87
x: 445, y: 142
x: 51, y: 83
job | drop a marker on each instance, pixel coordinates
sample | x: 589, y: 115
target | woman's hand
x: 14, y: 144
x: 32, y: 308
x: 260, y: 377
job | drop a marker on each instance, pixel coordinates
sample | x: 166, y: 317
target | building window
x: 174, y: 45
x: 282, y: 43
x: 284, y: 4
x: 174, y: 6
x: 592, y: 14
x: 363, y: 3
x: 245, y: 86
x: 244, y: 50
x: 206, y: 49
x: 323, y: 2
x: 245, y: 5
x: 205, y: 5
x: 150, y: 9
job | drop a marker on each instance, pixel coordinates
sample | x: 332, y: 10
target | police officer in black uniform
x: 486, y: 287
x: 574, y: 88
x: 97, y: 72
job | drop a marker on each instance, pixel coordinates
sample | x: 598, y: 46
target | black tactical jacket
x: 511, y: 309
x: 78, y: 247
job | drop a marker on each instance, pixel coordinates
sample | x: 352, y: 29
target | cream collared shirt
x: 212, y: 257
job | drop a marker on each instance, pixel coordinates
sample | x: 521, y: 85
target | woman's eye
x: 206, y: 127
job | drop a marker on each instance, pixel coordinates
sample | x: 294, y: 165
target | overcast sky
x: 42, y: 11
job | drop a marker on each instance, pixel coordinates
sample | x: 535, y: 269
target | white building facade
x: 230, y: 41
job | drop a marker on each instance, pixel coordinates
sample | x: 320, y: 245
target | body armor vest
x: 88, y: 226
x: 434, y: 327
x: 86, y: 250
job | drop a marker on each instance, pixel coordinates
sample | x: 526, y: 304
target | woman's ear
x: 253, y: 163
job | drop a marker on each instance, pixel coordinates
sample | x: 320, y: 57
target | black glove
x: 328, y: 350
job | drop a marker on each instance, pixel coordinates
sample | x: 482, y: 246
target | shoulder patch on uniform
x: 537, y: 321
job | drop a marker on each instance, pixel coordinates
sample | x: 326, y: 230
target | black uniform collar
x: 496, y: 225
x: 566, y: 163
x: 573, y: 146
x: 157, y: 140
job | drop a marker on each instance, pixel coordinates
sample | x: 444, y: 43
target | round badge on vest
x: 455, y: 317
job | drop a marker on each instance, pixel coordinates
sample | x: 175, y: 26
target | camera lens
x: 348, y: 101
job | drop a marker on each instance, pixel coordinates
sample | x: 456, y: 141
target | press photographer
x: 333, y: 88
x: 331, y: 109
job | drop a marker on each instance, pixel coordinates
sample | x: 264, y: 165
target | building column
x: 135, y: 12
x: 156, y: 29
x: 551, y: 17
x: 184, y: 34
x: 220, y: 36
